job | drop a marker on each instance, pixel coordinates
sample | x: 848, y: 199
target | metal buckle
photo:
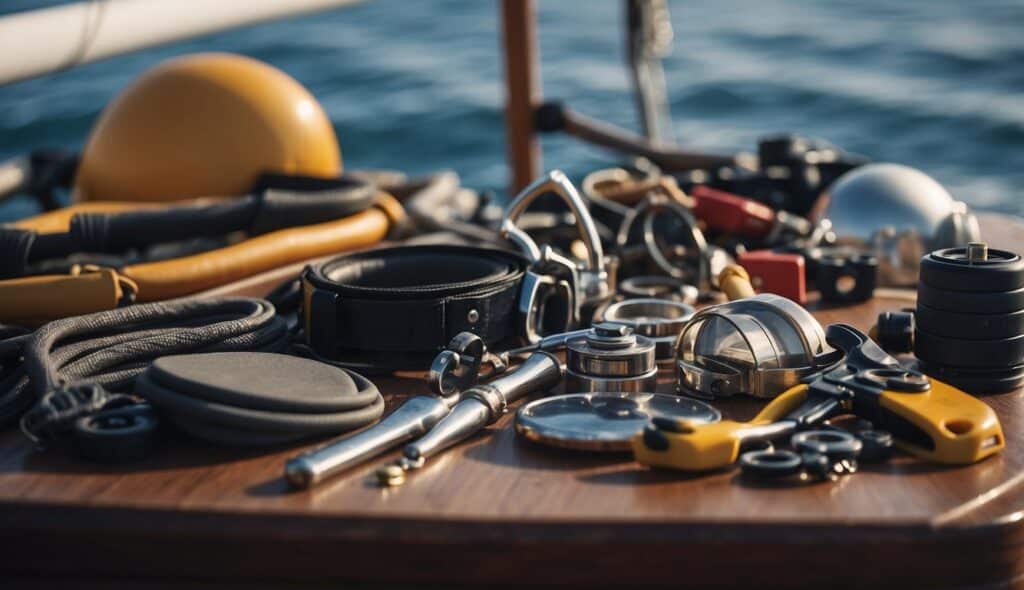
x: 536, y: 295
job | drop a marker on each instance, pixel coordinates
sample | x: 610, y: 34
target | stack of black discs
x: 970, y: 318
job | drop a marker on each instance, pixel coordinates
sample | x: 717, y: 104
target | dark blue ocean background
x: 417, y: 85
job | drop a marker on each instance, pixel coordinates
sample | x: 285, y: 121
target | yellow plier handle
x: 681, y: 444
x: 935, y: 421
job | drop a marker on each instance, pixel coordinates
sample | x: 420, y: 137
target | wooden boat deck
x: 499, y: 510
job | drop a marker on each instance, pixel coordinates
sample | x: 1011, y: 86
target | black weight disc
x: 969, y: 326
x: 978, y: 382
x: 998, y: 354
x: 970, y: 302
x: 896, y: 331
x: 950, y: 269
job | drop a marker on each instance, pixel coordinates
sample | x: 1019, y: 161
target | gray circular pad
x: 262, y: 381
x: 257, y: 398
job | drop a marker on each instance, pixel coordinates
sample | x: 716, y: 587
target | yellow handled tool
x: 927, y: 418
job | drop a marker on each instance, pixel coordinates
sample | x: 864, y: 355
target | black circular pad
x: 970, y: 302
x: 262, y: 381
x: 970, y: 326
x: 951, y: 269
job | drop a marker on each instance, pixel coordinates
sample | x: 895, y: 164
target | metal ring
x: 650, y: 317
x: 646, y: 211
x: 457, y: 368
x: 771, y: 463
x: 658, y: 287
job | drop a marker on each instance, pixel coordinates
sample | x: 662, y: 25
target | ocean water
x: 418, y: 86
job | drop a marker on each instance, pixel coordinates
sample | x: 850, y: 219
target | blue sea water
x: 417, y: 85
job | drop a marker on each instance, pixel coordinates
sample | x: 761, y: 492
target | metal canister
x: 611, y: 357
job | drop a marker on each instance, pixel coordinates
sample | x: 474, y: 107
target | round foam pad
x: 263, y: 381
x: 257, y: 398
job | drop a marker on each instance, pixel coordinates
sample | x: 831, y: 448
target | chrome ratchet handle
x: 415, y: 417
x: 483, y: 405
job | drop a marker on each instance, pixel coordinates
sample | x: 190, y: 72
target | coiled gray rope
x: 111, y: 348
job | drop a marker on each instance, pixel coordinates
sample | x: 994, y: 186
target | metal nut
x: 390, y: 475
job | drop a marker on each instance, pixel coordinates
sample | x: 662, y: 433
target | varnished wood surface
x: 499, y: 510
x: 498, y: 507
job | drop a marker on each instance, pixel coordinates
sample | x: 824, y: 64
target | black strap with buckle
x: 394, y: 308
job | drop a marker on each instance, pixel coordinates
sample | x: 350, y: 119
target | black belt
x: 394, y: 308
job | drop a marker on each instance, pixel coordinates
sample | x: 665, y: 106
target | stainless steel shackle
x: 593, y: 275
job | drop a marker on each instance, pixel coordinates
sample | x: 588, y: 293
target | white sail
x: 38, y: 42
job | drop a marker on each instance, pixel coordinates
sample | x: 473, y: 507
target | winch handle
x: 558, y: 183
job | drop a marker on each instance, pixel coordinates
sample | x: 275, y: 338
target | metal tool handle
x: 484, y: 404
x: 548, y: 343
x: 468, y: 416
x: 415, y: 417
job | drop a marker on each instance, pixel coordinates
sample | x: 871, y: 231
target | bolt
x: 473, y: 316
x: 977, y: 251
x: 609, y: 329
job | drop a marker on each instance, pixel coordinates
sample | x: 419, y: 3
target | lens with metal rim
x: 604, y: 421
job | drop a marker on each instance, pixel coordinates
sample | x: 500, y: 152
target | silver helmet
x: 759, y: 346
x: 900, y: 214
